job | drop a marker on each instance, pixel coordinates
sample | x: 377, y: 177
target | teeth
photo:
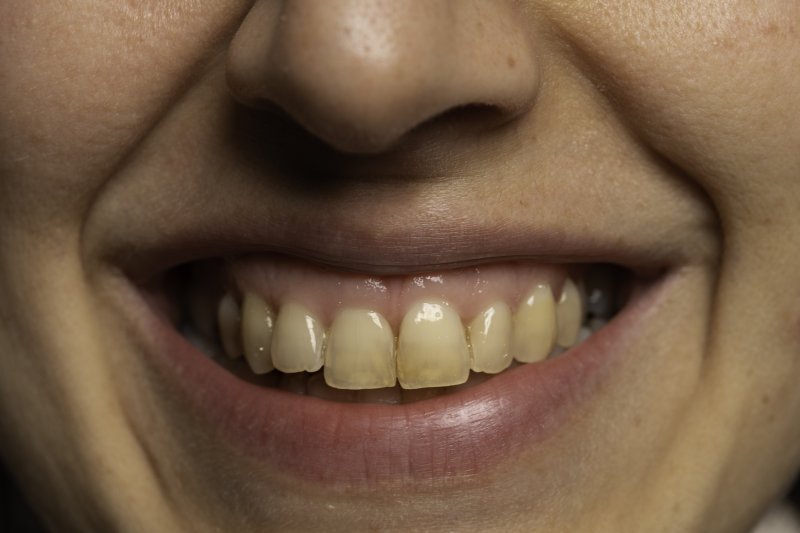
x: 364, y: 361
x: 432, y: 349
x: 257, y: 325
x: 229, y: 320
x: 297, y: 342
x: 360, y: 352
x: 535, y: 326
x: 569, y: 314
x: 490, y: 338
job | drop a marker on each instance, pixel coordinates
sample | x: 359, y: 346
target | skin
x: 673, y: 124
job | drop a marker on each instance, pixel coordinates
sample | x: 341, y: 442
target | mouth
x: 347, y: 377
x: 352, y: 337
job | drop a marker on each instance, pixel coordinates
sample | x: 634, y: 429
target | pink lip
x: 363, y: 444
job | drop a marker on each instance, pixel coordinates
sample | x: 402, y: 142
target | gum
x: 325, y: 291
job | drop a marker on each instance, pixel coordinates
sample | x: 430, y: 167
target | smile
x: 346, y: 378
x: 391, y: 339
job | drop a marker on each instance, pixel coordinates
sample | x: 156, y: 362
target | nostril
x: 306, y: 59
x: 468, y: 118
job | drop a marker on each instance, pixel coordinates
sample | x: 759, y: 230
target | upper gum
x: 324, y: 292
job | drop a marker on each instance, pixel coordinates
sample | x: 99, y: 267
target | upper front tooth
x: 535, y: 326
x: 360, y: 351
x: 490, y: 338
x: 569, y: 314
x: 432, y: 349
x: 229, y: 319
x: 257, y: 326
x: 297, y: 340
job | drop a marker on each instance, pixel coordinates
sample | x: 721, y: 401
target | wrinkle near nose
x: 360, y: 74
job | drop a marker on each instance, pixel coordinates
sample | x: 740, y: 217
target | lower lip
x: 454, y: 435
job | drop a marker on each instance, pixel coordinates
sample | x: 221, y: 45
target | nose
x: 361, y: 74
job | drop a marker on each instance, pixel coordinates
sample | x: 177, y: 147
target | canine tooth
x: 229, y: 319
x: 432, y: 349
x: 360, y: 351
x: 569, y: 314
x: 535, y: 326
x: 297, y: 340
x: 257, y: 325
x: 490, y: 338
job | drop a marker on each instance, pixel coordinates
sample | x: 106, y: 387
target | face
x: 434, y: 192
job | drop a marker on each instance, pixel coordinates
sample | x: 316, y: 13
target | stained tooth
x: 535, y: 326
x: 569, y: 314
x: 229, y: 319
x: 257, y: 325
x: 360, y: 351
x: 432, y: 349
x: 297, y: 340
x: 490, y: 338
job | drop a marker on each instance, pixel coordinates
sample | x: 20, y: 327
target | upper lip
x: 372, y: 248
x: 418, y: 220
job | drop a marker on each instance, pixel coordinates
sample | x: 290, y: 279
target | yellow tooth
x: 432, y: 349
x: 535, y: 326
x: 229, y: 319
x: 490, y: 338
x: 297, y: 340
x: 257, y: 325
x: 569, y: 315
x: 360, y: 351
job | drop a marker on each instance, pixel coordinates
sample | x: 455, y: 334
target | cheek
x: 712, y: 87
x: 82, y: 85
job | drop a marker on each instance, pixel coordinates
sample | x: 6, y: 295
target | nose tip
x: 361, y: 74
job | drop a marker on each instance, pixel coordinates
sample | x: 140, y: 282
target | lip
x: 385, y: 248
x: 451, y: 436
